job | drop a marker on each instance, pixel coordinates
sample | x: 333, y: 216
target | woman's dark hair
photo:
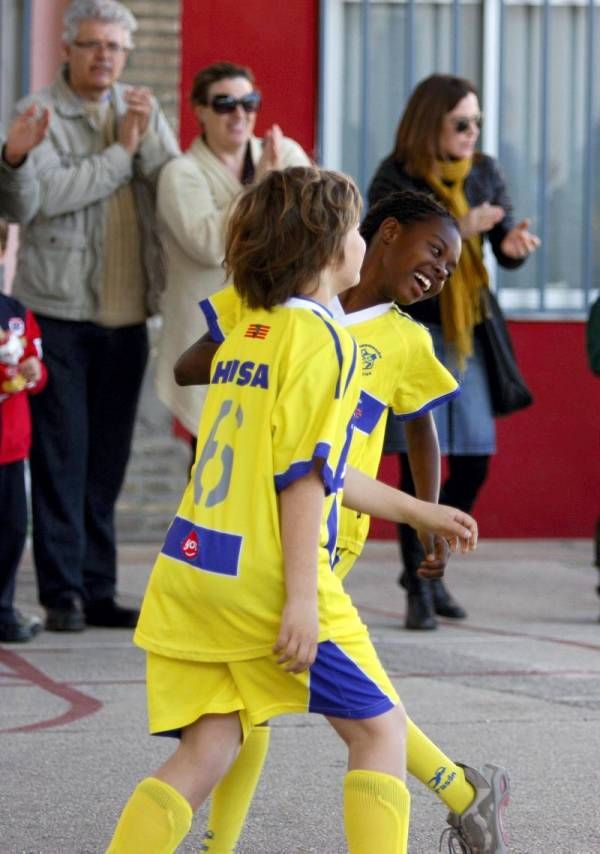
x: 286, y: 229
x: 407, y: 207
x: 418, y: 134
x: 212, y: 74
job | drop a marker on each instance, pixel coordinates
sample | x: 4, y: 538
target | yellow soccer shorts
x: 346, y: 680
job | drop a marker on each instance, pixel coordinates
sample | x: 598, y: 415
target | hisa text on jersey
x: 241, y: 373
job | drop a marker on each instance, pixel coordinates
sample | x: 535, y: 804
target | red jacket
x: 20, y: 338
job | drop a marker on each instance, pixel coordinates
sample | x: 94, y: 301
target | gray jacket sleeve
x: 70, y: 181
x: 67, y: 187
x: 19, y: 190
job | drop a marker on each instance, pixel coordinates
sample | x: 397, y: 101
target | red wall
x: 545, y: 479
x: 278, y: 40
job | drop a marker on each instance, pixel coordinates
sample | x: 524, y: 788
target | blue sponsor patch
x: 203, y: 548
x: 368, y: 412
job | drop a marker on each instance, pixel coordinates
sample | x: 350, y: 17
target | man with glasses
x: 90, y: 266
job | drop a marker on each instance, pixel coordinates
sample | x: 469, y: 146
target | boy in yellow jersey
x: 243, y: 618
x: 413, y: 246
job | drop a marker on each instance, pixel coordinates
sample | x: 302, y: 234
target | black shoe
x: 109, y: 615
x: 66, y: 615
x: 419, y: 611
x: 444, y: 603
x: 20, y: 629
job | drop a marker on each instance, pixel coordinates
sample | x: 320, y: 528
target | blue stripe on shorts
x: 339, y: 688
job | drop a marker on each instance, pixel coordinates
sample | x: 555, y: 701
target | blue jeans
x: 82, y: 430
x: 465, y: 424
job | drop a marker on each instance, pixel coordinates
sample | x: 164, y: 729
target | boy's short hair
x: 406, y: 207
x: 212, y: 74
x: 286, y: 229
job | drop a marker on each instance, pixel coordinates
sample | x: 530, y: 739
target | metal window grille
x: 535, y: 64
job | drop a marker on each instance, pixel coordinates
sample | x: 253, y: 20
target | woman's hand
x: 480, y: 219
x: 271, y: 154
x: 519, y: 242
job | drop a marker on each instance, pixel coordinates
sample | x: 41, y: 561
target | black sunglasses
x: 463, y: 124
x: 222, y: 104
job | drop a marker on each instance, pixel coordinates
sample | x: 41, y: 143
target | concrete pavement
x: 517, y: 683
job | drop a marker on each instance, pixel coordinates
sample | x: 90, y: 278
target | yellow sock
x: 231, y: 799
x: 376, y: 813
x: 427, y: 763
x: 154, y: 821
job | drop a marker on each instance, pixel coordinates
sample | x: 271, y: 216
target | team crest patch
x: 257, y: 330
x: 369, y: 355
x: 190, y: 545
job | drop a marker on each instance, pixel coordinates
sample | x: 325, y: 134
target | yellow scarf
x: 460, y: 300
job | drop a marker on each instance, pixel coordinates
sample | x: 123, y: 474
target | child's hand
x: 298, y: 636
x: 437, y: 552
x: 31, y: 370
x: 457, y: 527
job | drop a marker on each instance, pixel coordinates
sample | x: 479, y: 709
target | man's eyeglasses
x: 112, y: 48
x: 222, y: 104
x: 463, y: 123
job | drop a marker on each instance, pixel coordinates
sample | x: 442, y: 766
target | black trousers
x: 14, y: 531
x: 466, y: 476
x: 82, y: 430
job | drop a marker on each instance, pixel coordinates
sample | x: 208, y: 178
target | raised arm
x: 19, y: 189
x: 67, y: 187
x: 367, y: 495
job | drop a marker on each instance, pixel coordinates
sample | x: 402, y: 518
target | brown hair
x: 418, y: 134
x: 286, y: 229
x: 212, y: 74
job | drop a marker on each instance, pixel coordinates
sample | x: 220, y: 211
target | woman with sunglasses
x: 195, y: 193
x: 435, y: 153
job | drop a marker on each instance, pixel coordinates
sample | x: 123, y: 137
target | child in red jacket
x: 21, y: 373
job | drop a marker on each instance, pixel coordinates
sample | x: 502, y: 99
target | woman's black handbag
x: 508, y: 389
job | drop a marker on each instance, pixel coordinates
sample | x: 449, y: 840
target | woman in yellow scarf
x: 435, y: 153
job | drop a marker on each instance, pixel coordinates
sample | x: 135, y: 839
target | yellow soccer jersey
x: 283, y: 391
x: 222, y: 311
x: 399, y: 370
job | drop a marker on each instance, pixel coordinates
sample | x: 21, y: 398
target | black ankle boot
x: 444, y: 603
x: 420, y: 614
